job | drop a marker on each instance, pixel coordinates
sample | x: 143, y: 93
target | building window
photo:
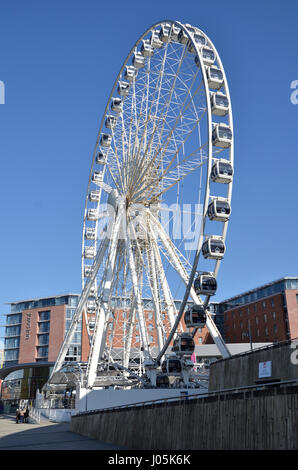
x: 255, y: 307
x: 265, y: 317
x: 44, y: 316
x: 11, y: 343
x: 258, y: 332
x: 275, y: 329
x: 200, y: 340
x: 257, y: 320
x: 43, y: 339
x: 272, y: 302
x: 42, y: 352
x: 11, y: 355
x: 14, y: 319
x: 12, y: 331
x: 273, y: 315
x: 297, y: 299
x: 264, y: 304
x: 44, y: 327
x: 266, y: 331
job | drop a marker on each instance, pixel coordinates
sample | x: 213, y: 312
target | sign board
x: 265, y: 369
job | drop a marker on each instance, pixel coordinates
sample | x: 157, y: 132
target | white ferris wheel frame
x: 110, y: 246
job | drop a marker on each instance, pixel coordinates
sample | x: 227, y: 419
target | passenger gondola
x: 219, y: 209
x: 222, y: 171
x: 205, y: 284
x: 213, y: 248
x: 195, y: 317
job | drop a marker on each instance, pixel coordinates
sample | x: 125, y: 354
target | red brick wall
x: 28, y: 338
x: 292, y: 306
x: 57, y: 326
x: 236, y: 321
x: 29, y: 333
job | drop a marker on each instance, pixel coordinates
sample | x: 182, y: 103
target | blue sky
x: 59, y: 60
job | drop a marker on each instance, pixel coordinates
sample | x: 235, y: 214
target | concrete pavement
x: 45, y: 436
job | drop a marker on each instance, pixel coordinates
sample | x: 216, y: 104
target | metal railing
x: 185, y: 397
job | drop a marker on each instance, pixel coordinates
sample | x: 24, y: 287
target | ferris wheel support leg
x: 131, y: 321
x: 138, y: 298
x: 216, y: 336
x: 170, y: 306
x: 78, y: 312
x: 155, y: 296
x: 98, y: 335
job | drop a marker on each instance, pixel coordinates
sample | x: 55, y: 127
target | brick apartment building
x: 267, y: 313
x: 35, y: 328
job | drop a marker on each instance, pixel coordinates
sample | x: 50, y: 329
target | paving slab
x: 45, y: 436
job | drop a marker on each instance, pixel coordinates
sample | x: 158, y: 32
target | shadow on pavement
x: 45, y: 436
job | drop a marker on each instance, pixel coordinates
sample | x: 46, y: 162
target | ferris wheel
x: 157, y: 206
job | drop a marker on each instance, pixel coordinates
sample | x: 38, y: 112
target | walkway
x: 44, y: 436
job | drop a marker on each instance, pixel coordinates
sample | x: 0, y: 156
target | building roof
x: 211, y: 350
x: 264, y: 286
x: 40, y: 298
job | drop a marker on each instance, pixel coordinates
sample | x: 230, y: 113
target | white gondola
x: 183, y: 345
x: 123, y: 88
x: 200, y: 41
x: 92, y: 290
x: 91, y: 305
x: 208, y: 56
x: 222, y: 135
x: 90, y: 233
x: 213, y: 248
x: 97, y: 177
x: 92, y: 214
x: 164, y: 33
x: 222, y: 171
x: 195, y: 317
x: 162, y: 381
x: 94, y: 196
x: 219, y: 104
x: 147, y: 49
x: 130, y: 73
x: 105, y: 140
x: 214, y: 77
x: 191, y: 29
x: 205, y: 284
x: 171, y: 365
x: 89, y: 252
x: 219, y: 209
x: 110, y: 121
x: 87, y: 270
x: 155, y: 41
x: 101, y: 158
x: 117, y: 105
x: 182, y: 37
x: 138, y: 60
x: 175, y: 33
